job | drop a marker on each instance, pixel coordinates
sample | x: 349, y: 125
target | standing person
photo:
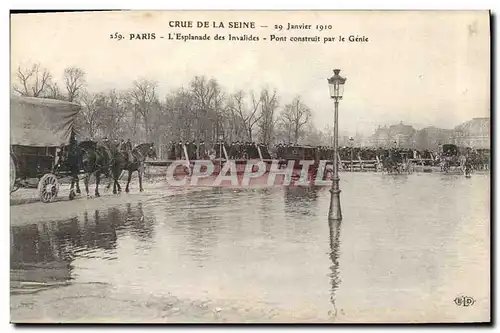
x: 179, y: 151
x: 202, y: 150
x: 105, y: 144
x: 128, y: 145
x: 193, y: 150
x: 212, y: 154
x: 127, y: 148
x: 171, y: 151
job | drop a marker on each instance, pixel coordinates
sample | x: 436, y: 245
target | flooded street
x: 406, y: 248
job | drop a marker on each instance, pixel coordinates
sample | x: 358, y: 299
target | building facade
x: 431, y: 138
x: 474, y: 133
x: 399, y: 135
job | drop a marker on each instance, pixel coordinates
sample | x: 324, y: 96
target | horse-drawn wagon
x: 396, y: 161
x: 40, y: 128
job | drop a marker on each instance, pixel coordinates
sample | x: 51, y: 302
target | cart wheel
x: 48, y: 187
x: 12, y: 174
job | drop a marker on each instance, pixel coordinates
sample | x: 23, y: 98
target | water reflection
x: 334, y: 275
x: 45, y: 251
x: 266, y: 249
x: 268, y: 209
x: 98, y: 232
x: 396, y: 181
x: 141, y: 225
x: 198, y: 217
x: 301, y: 197
x: 300, y: 210
x: 37, y: 254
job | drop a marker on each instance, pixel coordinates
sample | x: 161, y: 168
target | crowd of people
x: 252, y: 150
x: 358, y: 153
x: 234, y: 150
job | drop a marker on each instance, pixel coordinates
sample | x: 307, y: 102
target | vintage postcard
x: 250, y: 167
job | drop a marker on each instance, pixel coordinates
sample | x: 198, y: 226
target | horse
x: 122, y: 162
x: 449, y: 163
x: 119, y: 159
x: 391, y: 162
x: 390, y: 166
x: 73, y: 163
x: 93, y: 158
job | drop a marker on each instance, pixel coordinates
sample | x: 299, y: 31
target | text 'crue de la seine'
x: 212, y: 24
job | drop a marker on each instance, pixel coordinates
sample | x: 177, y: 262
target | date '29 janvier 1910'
x: 232, y: 25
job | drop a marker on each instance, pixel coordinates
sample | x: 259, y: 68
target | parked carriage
x: 449, y: 150
x: 40, y: 129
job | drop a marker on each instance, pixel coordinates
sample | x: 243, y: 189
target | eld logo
x: 464, y: 301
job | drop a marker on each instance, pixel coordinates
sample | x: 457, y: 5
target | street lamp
x: 221, y: 137
x: 414, y: 152
x: 336, y: 86
x: 351, y: 141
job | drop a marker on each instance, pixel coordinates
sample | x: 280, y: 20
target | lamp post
x: 221, y: 137
x: 351, y: 142
x: 336, y: 86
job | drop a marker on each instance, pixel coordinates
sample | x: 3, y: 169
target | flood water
x: 407, y: 246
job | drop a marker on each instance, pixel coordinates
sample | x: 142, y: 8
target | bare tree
x: 200, y: 111
x: 74, y: 80
x: 54, y: 92
x: 328, y: 135
x: 208, y: 107
x: 248, y: 116
x: 235, y: 127
x: 293, y: 118
x: 145, y: 100
x: 130, y: 114
x: 284, y: 126
x: 313, y: 136
x: 32, y: 81
x: 267, y: 122
x: 179, y: 115
x: 111, y: 113
x: 218, y: 109
x: 90, y: 113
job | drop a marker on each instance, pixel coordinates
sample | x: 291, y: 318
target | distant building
x: 395, y: 135
x: 473, y: 133
x: 343, y: 141
x: 380, y: 138
x: 431, y: 137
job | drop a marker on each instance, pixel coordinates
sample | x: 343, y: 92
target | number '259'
x: 116, y: 36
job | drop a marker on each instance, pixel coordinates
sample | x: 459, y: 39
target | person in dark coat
x: 127, y: 149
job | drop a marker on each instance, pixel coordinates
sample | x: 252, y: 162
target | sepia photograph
x: 249, y: 167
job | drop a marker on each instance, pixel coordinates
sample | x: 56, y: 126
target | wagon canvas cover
x: 41, y: 122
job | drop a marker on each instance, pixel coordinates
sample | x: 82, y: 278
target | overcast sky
x: 422, y: 68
